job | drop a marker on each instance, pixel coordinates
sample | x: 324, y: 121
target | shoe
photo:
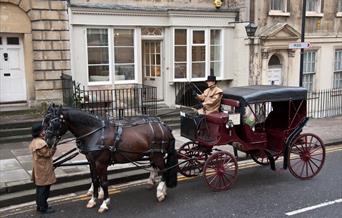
x: 47, y: 211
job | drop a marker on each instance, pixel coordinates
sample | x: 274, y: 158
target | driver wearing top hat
x: 211, y: 97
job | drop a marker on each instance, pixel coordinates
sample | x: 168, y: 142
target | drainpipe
x: 302, y: 49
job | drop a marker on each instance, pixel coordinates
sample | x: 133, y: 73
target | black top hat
x: 211, y: 78
x: 36, y: 129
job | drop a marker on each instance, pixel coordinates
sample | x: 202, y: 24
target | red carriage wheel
x: 220, y: 171
x: 191, y: 159
x: 261, y: 158
x: 306, y: 156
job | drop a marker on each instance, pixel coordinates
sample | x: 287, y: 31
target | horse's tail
x: 171, y: 165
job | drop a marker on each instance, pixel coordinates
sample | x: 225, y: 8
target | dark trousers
x: 42, y: 194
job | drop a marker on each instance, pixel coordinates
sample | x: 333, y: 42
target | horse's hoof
x: 91, y: 204
x: 161, y: 198
x: 102, y: 209
x: 89, y: 193
x: 150, y: 185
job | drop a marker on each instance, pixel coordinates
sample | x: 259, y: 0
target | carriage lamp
x: 217, y: 4
x: 251, y: 29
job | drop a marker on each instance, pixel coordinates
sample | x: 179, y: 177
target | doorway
x: 12, y: 73
x: 274, y: 71
x: 152, y: 66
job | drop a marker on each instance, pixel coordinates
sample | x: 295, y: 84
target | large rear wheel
x: 306, y: 156
x: 220, y: 171
x: 191, y: 159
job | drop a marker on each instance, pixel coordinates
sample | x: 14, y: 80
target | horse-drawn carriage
x: 263, y: 121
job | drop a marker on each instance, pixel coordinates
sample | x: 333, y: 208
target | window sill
x: 99, y: 83
x: 313, y: 14
x: 279, y: 13
x: 339, y: 14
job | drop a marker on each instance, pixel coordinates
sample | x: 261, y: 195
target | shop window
x: 197, y: 53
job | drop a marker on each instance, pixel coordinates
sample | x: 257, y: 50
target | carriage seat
x: 217, y: 117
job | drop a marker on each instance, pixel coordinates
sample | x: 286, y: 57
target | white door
x: 274, y: 76
x: 152, y: 66
x: 12, y: 73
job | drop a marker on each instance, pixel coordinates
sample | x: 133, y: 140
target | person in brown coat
x: 211, y: 97
x: 43, y: 174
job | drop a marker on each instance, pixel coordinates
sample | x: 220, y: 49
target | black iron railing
x: 131, y: 100
x: 324, y: 103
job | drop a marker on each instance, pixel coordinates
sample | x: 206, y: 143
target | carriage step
x: 27, y: 193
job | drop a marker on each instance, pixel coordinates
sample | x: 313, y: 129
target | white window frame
x: 189, y: 34
x: 91, y: 83
x: 337, y: 75
x: 314, y: 13
x: 312, y: 73
x: 282, y: 12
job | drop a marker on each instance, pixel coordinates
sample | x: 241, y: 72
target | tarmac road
x: 258, y: 192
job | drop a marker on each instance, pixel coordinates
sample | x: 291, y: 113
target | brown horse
x: 104, y: 143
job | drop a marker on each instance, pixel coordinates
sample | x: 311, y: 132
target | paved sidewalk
x: 16, y: 164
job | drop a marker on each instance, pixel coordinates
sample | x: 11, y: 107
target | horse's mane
x: 82, y: 117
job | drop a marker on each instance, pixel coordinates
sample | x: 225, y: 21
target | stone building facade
x: 279, y: 24
x: 35, y: 50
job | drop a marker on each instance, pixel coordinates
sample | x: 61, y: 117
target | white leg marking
x: 91, y: 202
x: 104, y: 206
x: 313, y: 207
x: 152, y: 179
x: 90, y: 190
x: 101, y: 193
x: 161, y: 191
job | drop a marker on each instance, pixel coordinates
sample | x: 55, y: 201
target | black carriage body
x: 285, y: 113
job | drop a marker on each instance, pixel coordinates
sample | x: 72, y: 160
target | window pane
x: 338, y: 60
x: 124, y: 55
x: 0, y: 41
x: 311, y: 5
x: 215, y: 68
x: 337, y: 80
x: 124, y: 72
x: 180, y: 37
x: 198, y: 53
x: 198, y: 37
x: 215, y: 53
x: 180, y: 53
x: 339, y: 6
x: 180, y: 70
x: 98, y: 56
x: 98, y: 73
x: 12, y: 41
x: 97, y: 37
x: 123, y: 37
x: 198, y: 70
x: 277, y: 5
x: 215, y: 37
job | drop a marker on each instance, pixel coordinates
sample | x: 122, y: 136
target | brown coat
x: 211, y: 100
x: 43, y: 171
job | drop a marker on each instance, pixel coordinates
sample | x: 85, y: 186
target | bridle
x: 56, y: 124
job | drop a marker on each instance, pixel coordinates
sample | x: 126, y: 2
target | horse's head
x: 54, y: 125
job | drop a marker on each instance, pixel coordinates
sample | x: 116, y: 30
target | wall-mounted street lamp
x: 251, y: 29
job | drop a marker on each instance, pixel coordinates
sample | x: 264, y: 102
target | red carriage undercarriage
x: 263, y: 121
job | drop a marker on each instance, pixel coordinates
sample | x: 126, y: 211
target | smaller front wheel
x: 220, y: 171
x: 306, y: 156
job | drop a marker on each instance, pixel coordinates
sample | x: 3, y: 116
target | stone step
x: 15, y: 131
x: 15, y: 138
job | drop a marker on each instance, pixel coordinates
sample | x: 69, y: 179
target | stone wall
x: 50, y: 46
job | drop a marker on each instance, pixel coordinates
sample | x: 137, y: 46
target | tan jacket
x: 43, y: 171
x: 211, y: 100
